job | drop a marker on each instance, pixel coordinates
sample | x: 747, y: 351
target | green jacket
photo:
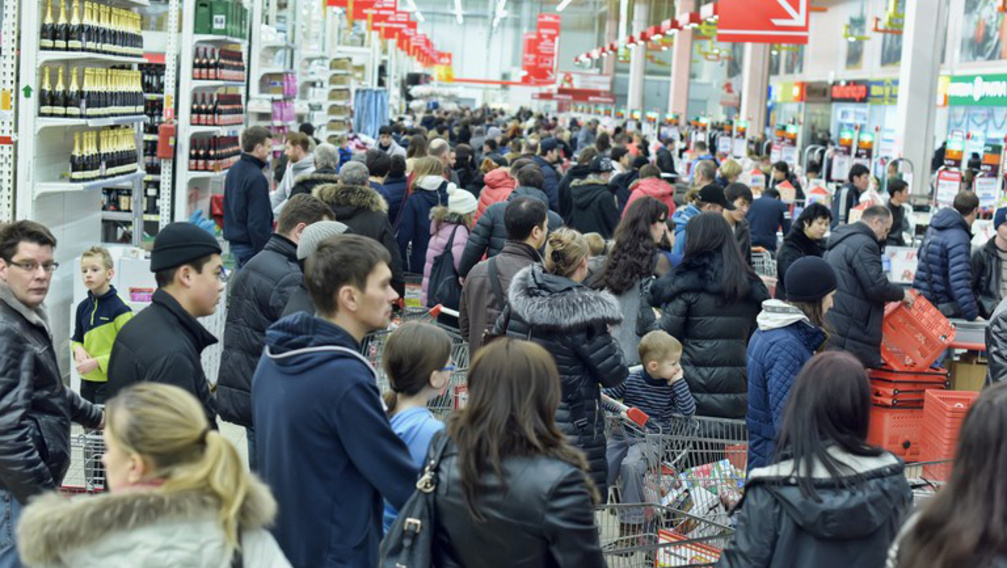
x: 99, y: 319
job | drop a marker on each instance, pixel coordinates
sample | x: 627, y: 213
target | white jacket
x: 144, y: 528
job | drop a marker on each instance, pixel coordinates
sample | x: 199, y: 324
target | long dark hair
x: 514, y: 391
x: 709, y: 234
x: 829, y: 405
x: 964, y: 524
x: 632, y: 257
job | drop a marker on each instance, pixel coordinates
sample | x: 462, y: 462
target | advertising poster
x: 983, y: 32
x: 949, y: 182
x: 891, y: 44
x: 855, y: 49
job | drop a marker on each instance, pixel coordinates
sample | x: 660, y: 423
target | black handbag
x: 410, y: 541
x: 443, y: 287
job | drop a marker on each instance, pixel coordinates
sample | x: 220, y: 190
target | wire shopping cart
x: 669, y: 538
x: 765, y: 266
x: 926, y: 478
x: 86, y: 473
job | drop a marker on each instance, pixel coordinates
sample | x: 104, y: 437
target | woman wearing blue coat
x: 789, y: 334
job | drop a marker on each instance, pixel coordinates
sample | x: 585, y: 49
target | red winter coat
x: 653, y: 187
x: 499, y: 185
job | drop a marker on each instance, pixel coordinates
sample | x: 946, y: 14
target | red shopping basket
x: 913, y: 337
x: 943, y: 413
x: 896, y: 430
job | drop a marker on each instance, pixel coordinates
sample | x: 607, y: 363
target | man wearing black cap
x: 550, y: 154
x: 594, y: 208
x: 710, y: 198
x: 163, y: 343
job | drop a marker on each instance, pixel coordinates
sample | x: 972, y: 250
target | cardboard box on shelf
x: 968, y: 373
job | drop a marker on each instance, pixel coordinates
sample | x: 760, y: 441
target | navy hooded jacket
x: 551, y: 184
x: 414, y: 221
x: 395, y: 194
x: 944, y: 273
x: 324, y: 445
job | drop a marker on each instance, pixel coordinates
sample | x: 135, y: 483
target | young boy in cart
x: 660, y: 391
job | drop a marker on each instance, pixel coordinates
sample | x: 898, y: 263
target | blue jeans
x: 252, y: 462
x: 10, y: 512
x: 242, y: 253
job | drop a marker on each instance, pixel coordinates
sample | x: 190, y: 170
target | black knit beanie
x: 809, y: 280
x: 179, y: 243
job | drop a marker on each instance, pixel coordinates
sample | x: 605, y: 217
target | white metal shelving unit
x: 274, y: 32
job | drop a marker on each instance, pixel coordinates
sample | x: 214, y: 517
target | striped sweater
x: 655, y: 397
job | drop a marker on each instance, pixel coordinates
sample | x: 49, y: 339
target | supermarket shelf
x: 46, y: 56
x: 315, y: 55
x: 136, y: 2
x: 153, y: 96
x: 276, y: 71
x: 207, y: 175
x: 150, y: 137
x: 269, y: 96
x: 65, y: 187
x: 212, y: 129
x: 278, y: 45
x: 210, y: 84
x: 155, y: 177
x: 213, y: 38
x: 125, y: 216
x: 46, y: 122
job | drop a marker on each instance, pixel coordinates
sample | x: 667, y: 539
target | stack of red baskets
x: 943, y: 413
x: 913, y: 338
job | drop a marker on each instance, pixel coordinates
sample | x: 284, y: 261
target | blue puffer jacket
x: 681, y: 218
x: 785, y: 341
x: 414, y: 220
x: 944, y: 273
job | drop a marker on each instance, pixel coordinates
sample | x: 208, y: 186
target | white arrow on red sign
x: 763, y: 21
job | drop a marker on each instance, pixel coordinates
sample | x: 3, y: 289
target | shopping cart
x: 763, y: 262
x: 669, y: 538
x: 926, y: 478
x: 86, y: 473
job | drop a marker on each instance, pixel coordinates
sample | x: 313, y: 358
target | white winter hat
x: 315, y: 233
x: 462, y: 202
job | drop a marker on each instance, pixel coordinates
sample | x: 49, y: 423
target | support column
x: 681, y: 65
x: 921, y: 66
x: 754, y: 86
x: 611, y: 34
x: 638, y: 57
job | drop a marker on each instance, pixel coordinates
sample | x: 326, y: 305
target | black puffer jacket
x: 594, y: 207
x: 855, y: 318
x: 576, y: 173
x: 714, y: 336
x: 571, y: 321
x: 308, y: 182
x: 35, y: 407
x: 258, y: 297
x: 796, y: 245
x: 365, y: 212
x: 986, y: 276
x: 540, y: 515
x: 489, y: 235
x: 777, y: 527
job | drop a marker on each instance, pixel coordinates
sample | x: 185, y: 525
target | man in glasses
x: 35, y: 407
x: 163, y: 343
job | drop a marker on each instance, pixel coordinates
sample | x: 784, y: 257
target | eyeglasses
x: 32, y: 266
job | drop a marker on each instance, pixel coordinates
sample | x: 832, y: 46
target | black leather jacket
x: 35, y: 407
x: 986, y: 278
x: 540, y: 516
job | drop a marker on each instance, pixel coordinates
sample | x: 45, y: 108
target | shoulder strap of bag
x: 238, y: 559
x: 495, y: 284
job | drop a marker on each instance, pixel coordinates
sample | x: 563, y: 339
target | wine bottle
x: 62, y: 28
x: 45, y: 40
x: 203, y: 154
x: 85, y: 28
x: 102, y: 30
x: 213, y: 64
x: 75, y: 159
x: 74, y: 34
x: 59, y: 95
x: 73, y: 96
x: 45, y: 95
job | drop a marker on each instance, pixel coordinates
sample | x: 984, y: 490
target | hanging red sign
x: 763, y: 21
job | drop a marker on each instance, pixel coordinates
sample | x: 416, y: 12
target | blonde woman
x: 429, y: 189
x: 180, y: 496
x: 729, y: 173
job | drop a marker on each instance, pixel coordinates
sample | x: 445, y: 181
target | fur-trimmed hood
x: 319, y: 176
x: 350, y: 198
x: 553, y: 302
x: 701, y: 273
x: 54, y: 528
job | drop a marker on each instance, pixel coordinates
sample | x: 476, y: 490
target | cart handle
x: 630, y: 412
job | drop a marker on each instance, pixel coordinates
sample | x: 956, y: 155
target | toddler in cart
x: 660, y: 391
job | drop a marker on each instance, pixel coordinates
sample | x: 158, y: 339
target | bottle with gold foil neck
x: 59, y: 95
x: 45, y: 95
x: 48, y: 33
x: 75, y: 159
x: 62, y: 28
x: 73, y: 96
x: 75, y: 30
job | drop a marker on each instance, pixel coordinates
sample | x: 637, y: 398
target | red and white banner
x: 763, y: 21
x: 539, y: 56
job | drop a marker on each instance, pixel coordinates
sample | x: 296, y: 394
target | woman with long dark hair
x: 832, y: 500
x: 550, y: 306
x: 965, y: 524
x: 629, y: 270
x: 806, y: 238
x: 709, y: 302
x: 513, y: 492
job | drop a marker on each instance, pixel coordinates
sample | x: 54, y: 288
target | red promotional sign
x: 539, y: 56
x: 763, y: 21
x: 850, y: 92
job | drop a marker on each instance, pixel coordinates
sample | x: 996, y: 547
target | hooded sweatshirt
x: 302, y: 167
x: 681, y: 219
x: 414, y: 222
x: 594, y: 207
x: 576, y: 173
x: 499, y: 185
x: 652, y: 187
x: 784, y: 342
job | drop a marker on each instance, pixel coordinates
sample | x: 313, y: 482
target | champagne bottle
x: 74, y: 34
x: 59, y: 95
x: 85, y: 28
x: 75, y: 159
x: 45, y: 96
x: 62, y: 28
x: 73, y: 96
x: 102, y: 29
x: 45, y: 40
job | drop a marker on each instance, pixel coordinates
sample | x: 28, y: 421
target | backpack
x: 443, y: 287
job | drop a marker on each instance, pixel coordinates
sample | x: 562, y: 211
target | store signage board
x: 850, y: 93
x: 883, y: 92
x: 949, y: 182
x: 978, y: 90
x: 763, y: 21
x: 740, y: 148
x: 986, y: 189
x: 724, y: 144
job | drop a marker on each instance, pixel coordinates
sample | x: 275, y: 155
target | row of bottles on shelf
x: 105, y: 93
x: 152, y: 78
x: 217, y: 110
x: 221, y: 17
x: 121, y: 199
x: 98, y: 29
x: 214, y: 154
x: 154, y: 111
x: 105, y: 153
x: 151, y: 163
x: 218, y: 64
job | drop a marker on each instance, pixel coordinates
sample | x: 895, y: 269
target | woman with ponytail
x: 417, y: 361
x: 179, y: 496
x: 552, y: 307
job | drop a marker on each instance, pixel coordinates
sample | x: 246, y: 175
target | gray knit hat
x: 315, y: 233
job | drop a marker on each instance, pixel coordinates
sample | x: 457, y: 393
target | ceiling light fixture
x: 416, y: 11
x: 562, y: 5
x: 458, y: 12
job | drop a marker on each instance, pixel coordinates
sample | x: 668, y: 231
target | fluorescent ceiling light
x: 562, y: 5
x: 458, y: 11
x: 416, y: 11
